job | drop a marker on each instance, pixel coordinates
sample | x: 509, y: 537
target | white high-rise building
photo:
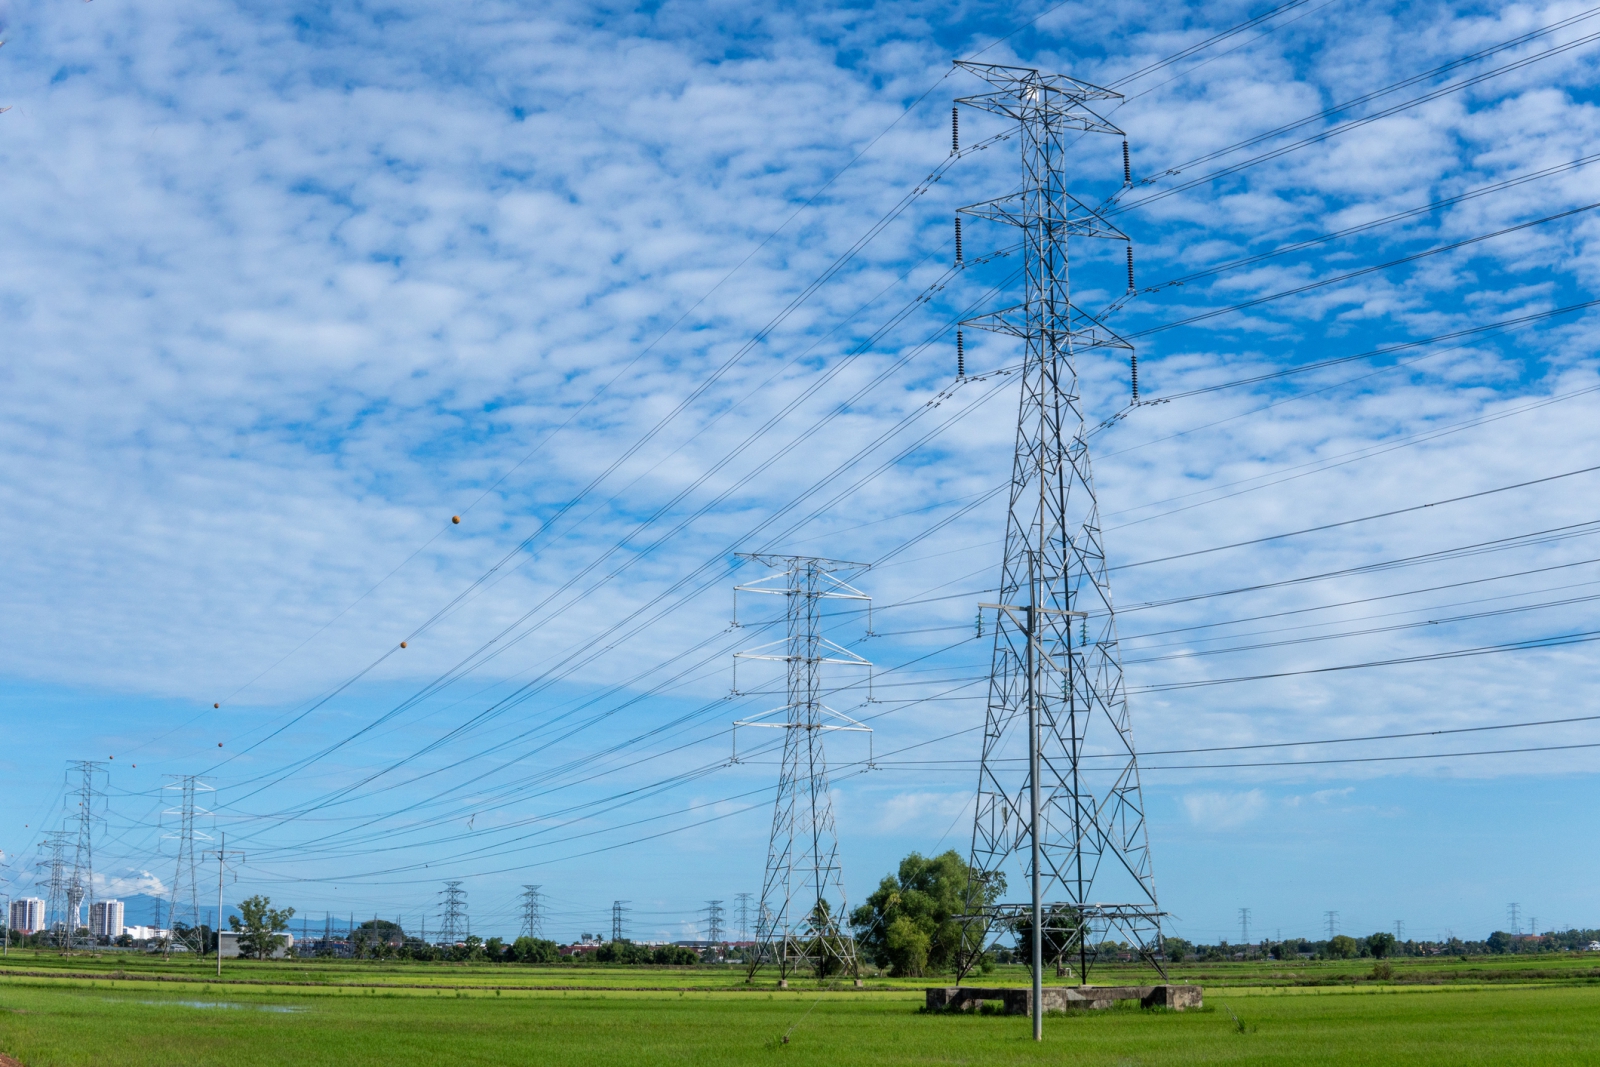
x: 27, y: 915
x: 105, y: 919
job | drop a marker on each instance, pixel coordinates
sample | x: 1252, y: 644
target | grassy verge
x: 55, y: 1024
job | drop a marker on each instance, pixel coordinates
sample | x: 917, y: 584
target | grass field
x: 133, y: 1012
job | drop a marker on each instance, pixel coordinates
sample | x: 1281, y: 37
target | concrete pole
x: 222, y: 861
x: 1033, y: 831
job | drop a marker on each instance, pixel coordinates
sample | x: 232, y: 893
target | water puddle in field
x: 224, y: 1005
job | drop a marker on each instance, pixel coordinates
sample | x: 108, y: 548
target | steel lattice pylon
x: 802, y: 895
x: 184, y: 914
x: 80, y: 889
x: 58, y: 919
x: 532, y: 912
x: 1056, y: 673
x: 453, y: 924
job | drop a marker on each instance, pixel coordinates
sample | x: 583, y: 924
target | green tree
x: 1175, y: 949
x: 1500, y: 941
x: 535, y: 950
x: 910, y: 923
x: 262, y: 929
x: 1342, y: 947
x: 1380, y: 944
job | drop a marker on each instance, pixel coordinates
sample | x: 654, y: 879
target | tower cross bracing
x: 802, y: 906
x: 1077, y: 832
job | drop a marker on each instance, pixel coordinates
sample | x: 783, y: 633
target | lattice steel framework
x: 57, y: 882
x: 184, y: 914
x: 80, y: 887
x: 714, y: 921
x: 803, y: 903
x: 1056, y: 675
x: 453, y: 923
x: 532, y: 912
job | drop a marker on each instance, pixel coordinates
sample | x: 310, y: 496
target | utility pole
x: 222, y: 865
x: 185, y: 882
x: 1333, y: 924
x: 802, y: 892
x: 1244, y: 926
x: 1514, y: 916
x: 1056, y: 687
x: 619, y: 911
x: 532, y: 916
x: 744, y: 914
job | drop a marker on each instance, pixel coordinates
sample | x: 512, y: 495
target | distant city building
x: 27, y: 915
x: 105, y: 919
x: 146, y: 933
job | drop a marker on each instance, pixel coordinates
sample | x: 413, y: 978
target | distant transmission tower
x: 453, y: 924
x: 184, y: 912
x: 532, y: 914
x: 80, y: 889
x: 1056, y: 692
x: 744, y: 914
x: 58, y: 881
x: 714, y: 921
x: 802, y: 895
x: 1333, y: 924
x: 1514, y: 917
x: 1244, y: 926
x: 619, y: 921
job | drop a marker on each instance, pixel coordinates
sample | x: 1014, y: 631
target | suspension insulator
x: 1130, y: 268
x: 955, y: 131
x: 1133, y: 362
x: 958, y: 238
x: 961, y: 355
x: 1127, y: 166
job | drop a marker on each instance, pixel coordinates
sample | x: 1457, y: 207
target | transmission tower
x: 532, y: 914
x: 1333, y: 924
x: 744, y: 914
x: 453, y: 924
x: 1514, y: 917
x: 58, y: 881
x: 802, y: 894
x: 1244, y: 926
x: 619, y: 921
x: 714, y: 921
x: 80, y: 889
x: 1056, y: 689
x: 184, y: 909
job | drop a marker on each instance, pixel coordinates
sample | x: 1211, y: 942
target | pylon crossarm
x: 1018, y: 209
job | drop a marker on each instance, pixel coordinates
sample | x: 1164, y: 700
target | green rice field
x: 133, y: 1011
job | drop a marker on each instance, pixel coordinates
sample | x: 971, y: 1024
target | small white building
x: 27, y: 915
x: 228, y: 943
x: 105, y: 919
x: 146, y: 933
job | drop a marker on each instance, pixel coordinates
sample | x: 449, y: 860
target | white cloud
x: 1224, y: 811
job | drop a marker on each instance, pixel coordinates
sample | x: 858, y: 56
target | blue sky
x: 285, y: 287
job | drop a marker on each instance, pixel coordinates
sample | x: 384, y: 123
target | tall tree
x: 262, y: 927
x: 911, y: 923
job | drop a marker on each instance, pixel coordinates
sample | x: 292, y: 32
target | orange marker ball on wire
x: 455, y: 520
x: 219, y: 744
x: 216, y: 705
x: 402, y: 644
